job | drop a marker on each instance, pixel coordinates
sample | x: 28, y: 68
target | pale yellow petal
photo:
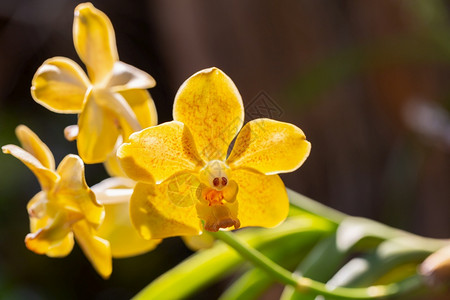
x: 102, y: 189
x: 37, y: 208
x: 143, y: 107
x: 123, y: 237
x: 269, y: 147
x: 115, y: 193
x: 60, y: 85
x: 112, y: 163
x: 155, y: 215
x: 33, y: 145
x: 50, y: 236
x: 96, y: 249
x: 46, y: 177
x: 211, y: 106
x: 127, y: 77
x: 198, y: 242
x: 117, y: 103
x: 73, y: 192
x: 262, y: 199
x: 95, y: 42
x: 158, y: 152
x: 98, y: 132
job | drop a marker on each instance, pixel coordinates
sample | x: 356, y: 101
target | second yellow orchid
x: 67, y: 208
x: 111, y: 102
x: 185, y: 177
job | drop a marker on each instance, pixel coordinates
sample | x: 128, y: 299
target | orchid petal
x: 63, y: 248
x: 144, y: 109
x: 60, y: 85
x: 262, y: 199
x: 211, y: 106
x: 158, y: 152
x: 127, y: 77
x: 112, y: 163
x: 98, y: 131
x: 114, y: 193
x: 198, y: 242
x: 49, y: 236
x: 117, y: 103
x: 96, y: 249
x: 73, y: 191
x: 155, y: 215
x: 118, y: 230
x: 37, y: 209
x: 46, y: 177
x: 33, y: 145
x: 95, y: 42
x: 269, y: 147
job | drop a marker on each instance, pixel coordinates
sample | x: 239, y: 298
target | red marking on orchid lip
x: 216, y: 181
x: 224, y: 181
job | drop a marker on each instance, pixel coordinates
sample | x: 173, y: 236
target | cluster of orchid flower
x: 172, y: 179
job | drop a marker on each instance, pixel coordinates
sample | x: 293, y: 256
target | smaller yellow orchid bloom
x: 186, y: 181
x: 66, y: 206
x: 112, y: 101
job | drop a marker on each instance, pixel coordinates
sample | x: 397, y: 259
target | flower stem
x: 304, y: 284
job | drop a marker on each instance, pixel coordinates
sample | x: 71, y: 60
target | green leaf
x: 210, y: 265
x: 249, y: 286
x: 389, y: 255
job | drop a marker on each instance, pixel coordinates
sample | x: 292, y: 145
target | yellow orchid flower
x: 185, y: 177
x: 111, y: 102
x: 66, y: 207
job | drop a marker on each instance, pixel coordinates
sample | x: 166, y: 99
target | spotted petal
x: 158, y: 152
x: 33, y: 145
x: 269, y: 147
x: 262, y: 199
x: 155, y: 215
x: 211, y: 106
x: 96, y: 249
x: 95, y: 42
x: 60, y: 85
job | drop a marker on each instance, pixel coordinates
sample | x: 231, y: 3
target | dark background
x: 368, y: 82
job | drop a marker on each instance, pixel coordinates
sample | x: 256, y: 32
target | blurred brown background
x: 368, y: 82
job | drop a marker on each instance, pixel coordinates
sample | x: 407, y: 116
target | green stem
x: 304, y: 284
